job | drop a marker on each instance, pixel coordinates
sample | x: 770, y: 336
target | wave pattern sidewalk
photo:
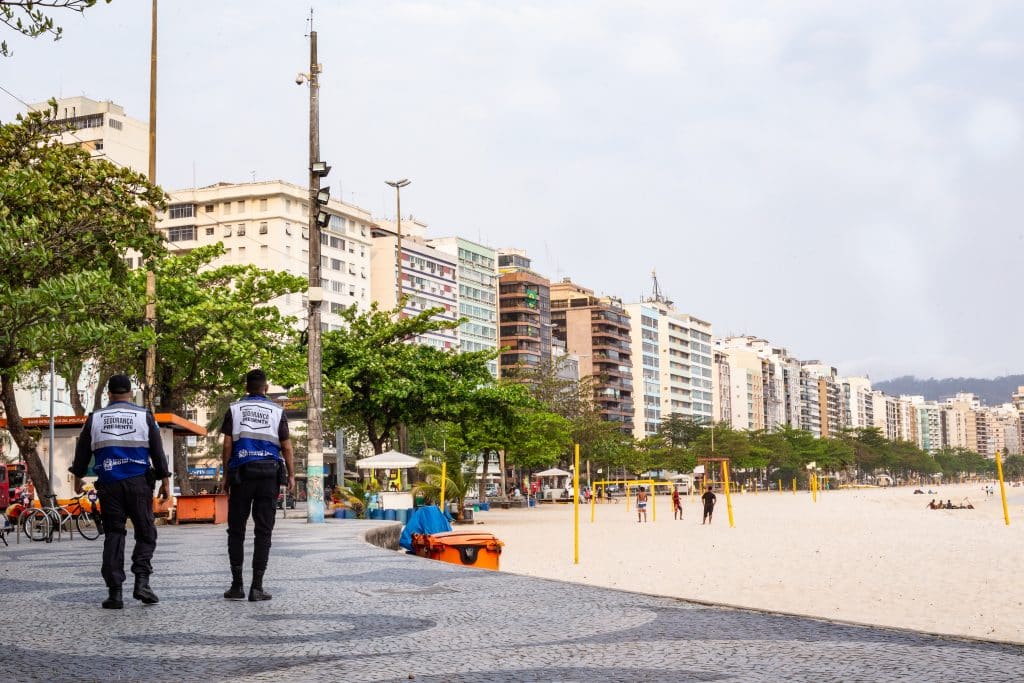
x: 347, y: 611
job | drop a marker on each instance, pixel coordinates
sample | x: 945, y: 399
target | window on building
x: 227, y: 231
x: 227, y: 208
x: 115, y: 124
x: 208, y: 208
x: 264, y: 227
x: 241, y: 205
x: 263, y: 204
x: 288, y: 229
x: 181, y: 211
x: 209, y: 231
x: 97, y: 145
x: 183, y: 233
x: 241, y: 229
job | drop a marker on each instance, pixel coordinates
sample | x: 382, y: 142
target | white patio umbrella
x: 388, y: 460
x: 553, y: 472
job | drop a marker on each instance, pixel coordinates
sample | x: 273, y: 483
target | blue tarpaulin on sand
x: 425, y: 520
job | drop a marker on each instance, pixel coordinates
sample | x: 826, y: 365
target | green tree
x: 377, y: 377
x: 66, y: 224
x: 1013, y: 467
x: 214, y: 324
x: 460, y: 475
x: 28, y: 18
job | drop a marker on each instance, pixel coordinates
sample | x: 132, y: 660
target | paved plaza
x: 344, y: 610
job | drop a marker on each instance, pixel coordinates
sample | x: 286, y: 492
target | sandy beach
x: 871, y: 556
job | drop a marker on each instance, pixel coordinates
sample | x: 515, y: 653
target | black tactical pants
x: 254, y: 490
x: 119, y: 501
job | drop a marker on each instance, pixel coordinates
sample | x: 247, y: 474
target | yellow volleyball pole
x: 814, y: 487
x: 576, y: 506
x: 593, y: 498
x: 794, y: 486
x: 1002, y: 488
x: 654, y: 502
x: 627, y: 496
x: 444, y: 480
x: 780, y: 485
x: 728, y: 498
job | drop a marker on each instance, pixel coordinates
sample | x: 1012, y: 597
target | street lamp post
x: 398, y: 185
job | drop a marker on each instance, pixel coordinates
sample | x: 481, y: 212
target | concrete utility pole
x: 314, y: 401
x: 150, y: 393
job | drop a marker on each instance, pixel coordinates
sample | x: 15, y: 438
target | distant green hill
x: 990, y: 391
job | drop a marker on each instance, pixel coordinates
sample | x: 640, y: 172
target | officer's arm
x: 83, y: 454
x: 289, y: 461
x: 158, y: 458
x: 224, y: 459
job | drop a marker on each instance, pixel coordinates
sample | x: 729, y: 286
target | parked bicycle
x: 40, y: 523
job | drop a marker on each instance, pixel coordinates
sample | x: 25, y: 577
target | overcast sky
x: 835, y: 177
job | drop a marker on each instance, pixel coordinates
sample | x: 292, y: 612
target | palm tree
x: 354, y: 494
x: 460, y: 477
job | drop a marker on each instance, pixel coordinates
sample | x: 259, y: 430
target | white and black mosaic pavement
x: 347, y: 611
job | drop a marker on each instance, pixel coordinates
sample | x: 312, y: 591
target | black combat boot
x: 256, y: 592
x: 114, y: 599
x: 237, y: 590
x: 142, y: 590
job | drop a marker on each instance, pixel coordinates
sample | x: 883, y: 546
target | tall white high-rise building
x: 265, y: 224
x: 478, y: 294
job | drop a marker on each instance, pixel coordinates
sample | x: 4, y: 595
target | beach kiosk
x: 394, y: 464
x: 66, y: 431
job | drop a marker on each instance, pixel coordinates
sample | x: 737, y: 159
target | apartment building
x: 429, y: 278
x: 477, y: 274
x: 597, y: 330
x: 524, y: 314
x: 859, y: 403
x: 102, y: 129
x: 672, y: 352
x: 265, y: 224
x: 722, y: 380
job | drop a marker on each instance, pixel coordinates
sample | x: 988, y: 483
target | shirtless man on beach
x: 641, y: 504
x: 709, y: 499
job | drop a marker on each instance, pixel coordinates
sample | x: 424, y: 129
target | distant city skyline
x: 836, y: 179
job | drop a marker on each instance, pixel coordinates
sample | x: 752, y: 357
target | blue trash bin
x: 484, y: 507
x: 376, y: 514
x: 340, y: 513
x: 533, y: 502
x: 390, y: 515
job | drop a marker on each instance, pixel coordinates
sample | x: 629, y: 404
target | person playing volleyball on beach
x: 709, y: 499
x: 677, y: 505
x: 641, y: 504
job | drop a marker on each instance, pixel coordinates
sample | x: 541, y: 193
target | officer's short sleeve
x: 282, y: 429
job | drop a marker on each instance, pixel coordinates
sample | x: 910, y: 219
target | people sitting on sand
x: 933, y: 505
x: 949, y: 504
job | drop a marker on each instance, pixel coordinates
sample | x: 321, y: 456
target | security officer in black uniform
x: 125, y: 441
x: 257, y: 460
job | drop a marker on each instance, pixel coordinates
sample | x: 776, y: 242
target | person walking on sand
x: 677, y: 505
x: 641, y: 504
x: 709, y: 499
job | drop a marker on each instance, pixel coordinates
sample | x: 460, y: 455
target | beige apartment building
x: 266, y: 224
x: 597, y: 330
x: 104, y: 130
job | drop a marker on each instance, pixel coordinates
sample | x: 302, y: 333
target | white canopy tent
x: 388, y: 460
x: 553, y: 472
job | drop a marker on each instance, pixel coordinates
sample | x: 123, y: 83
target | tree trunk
x: 482, y: 484
x: 501, y: 464
x: 26, y: 444
x: 71, y: 372
x: 102, y: 377
x: 179, y: 461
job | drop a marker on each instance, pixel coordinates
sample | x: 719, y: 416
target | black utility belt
x: 262, y: 469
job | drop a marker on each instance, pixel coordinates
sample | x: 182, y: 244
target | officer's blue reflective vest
x: 255, y: 421
x: 120, y: 441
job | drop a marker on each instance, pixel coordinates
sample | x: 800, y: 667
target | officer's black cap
x: 119, y: 384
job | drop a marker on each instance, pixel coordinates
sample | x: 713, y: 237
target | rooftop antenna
x: 657, y: 296
x: 310, y: 21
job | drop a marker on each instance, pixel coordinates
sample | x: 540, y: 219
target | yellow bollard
x: 794, y: 486
x: 576, y: 506
x: 780, y: 485
x: 1002, y: 488
x: 814, y: 487
x: 593, y: 498
x: 728, y: 498
x: 444, y: 480
x: 654, y: 502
